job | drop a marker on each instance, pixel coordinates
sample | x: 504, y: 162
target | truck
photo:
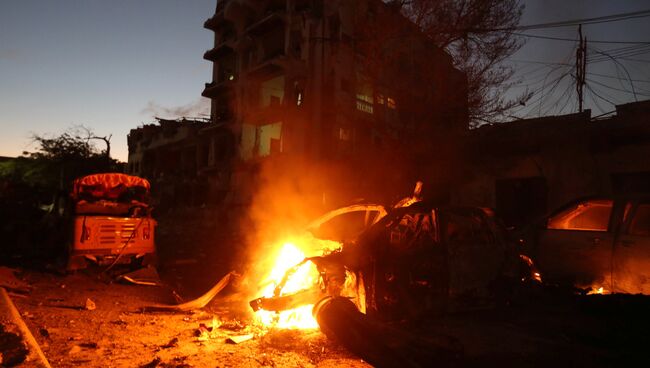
x: 111, y: 221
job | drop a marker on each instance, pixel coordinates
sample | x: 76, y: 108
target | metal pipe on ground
x: 380, y: 344
x: 8, y: 312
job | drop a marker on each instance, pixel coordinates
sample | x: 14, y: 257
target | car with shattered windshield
x: 599, y: 243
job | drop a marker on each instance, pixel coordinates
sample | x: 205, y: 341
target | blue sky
x: 113, y: 65
x: 109, y: 65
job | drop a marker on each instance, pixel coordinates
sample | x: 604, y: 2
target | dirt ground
x: 117, y: 334
x: 539, y: 329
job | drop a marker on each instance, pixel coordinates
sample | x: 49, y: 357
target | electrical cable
x: 571, y: 22
x: 613, y: 77
x: 629, y: 77
x: 599, y: 96
x: 617, y: 89
x: 574, y: 40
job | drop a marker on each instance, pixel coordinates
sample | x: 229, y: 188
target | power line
x: 619, y: 52
x: 573, y: 22
x: 618, y: 63
x: 538, y: 62
x: 575, y: 40
x: 614, y: 77
x: 595, y: 101
x: 617, y: 89
x: 601, y: 97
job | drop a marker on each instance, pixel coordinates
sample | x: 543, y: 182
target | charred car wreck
x: 411, y: 259
x: 408, y: 261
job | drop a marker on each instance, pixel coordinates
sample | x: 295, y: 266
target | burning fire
x: 305, y: 277
x: 595, y: 290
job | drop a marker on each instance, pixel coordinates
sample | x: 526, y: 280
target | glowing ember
x: 305, y: 277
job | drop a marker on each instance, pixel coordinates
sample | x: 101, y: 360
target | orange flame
x: 599, y: 290
x: 305, y: 277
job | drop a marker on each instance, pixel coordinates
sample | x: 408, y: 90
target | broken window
x: 365, y: 98
x: 640, y: 224
x: 364, y: 103
x: 260, y: 141
x: 592, y: 215
x: 270, y: 139
x: 272, y: 91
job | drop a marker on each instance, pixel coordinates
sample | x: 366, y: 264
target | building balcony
x: 213, y: 89
x: 214, y: 23
x: 217, y: 20
x: 218, y: 52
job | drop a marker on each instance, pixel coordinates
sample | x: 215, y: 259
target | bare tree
x: 86, y: 134
x: 71, y: 154
x: 478, y: 35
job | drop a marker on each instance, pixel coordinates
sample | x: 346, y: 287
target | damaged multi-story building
x: 183, y: 158
x: 341, y: 82
x: 350, y: 85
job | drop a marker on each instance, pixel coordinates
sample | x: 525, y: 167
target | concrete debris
x: 239, y: 339
x: 197, y: 303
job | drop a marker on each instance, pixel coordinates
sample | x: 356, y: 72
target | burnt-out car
x: 405, y: 261
x: 423, y: 257
x: 599, y: 242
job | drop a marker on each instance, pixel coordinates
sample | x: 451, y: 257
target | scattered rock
x: 265, y: 361
x: 232, y: 325
x: 27, y: 315
x: 152, y: 364
x: 90, y: 305
x: 44, y: 332
x: 75, y: 350
x: 171, y: 344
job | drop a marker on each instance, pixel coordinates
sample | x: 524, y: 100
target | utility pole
x: 581, y: 67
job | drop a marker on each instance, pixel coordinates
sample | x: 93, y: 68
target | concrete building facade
x: 341, y: 82
x: 348, y: 93
x: 526, y: 168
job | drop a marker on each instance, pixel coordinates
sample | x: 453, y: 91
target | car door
x: 575, y: 245
x: 475, y: 254
x: 632, y: 251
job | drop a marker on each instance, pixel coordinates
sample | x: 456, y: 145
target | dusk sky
x: 113, y: 65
